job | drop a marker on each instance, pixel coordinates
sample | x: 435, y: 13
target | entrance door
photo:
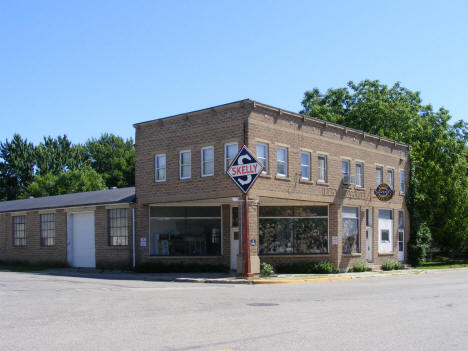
x: 369, y: 244
x: 401, y: 245
x: 385, y: 231
x: 234, y: 237
x: 81, y: 238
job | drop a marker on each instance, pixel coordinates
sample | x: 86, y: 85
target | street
x: 428, y: 311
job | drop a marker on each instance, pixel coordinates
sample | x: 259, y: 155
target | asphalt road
x: 413, y: 312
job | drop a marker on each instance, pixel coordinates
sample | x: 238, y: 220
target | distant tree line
x: 57, y: 166
x: 437, y: 197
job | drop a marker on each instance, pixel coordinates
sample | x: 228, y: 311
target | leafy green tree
x: 71, y: 181
x: 57, y: 155
x: 17, y: 160
x: 113, y: 158
x: 439, y: 183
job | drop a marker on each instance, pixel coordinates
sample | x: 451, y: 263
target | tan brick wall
x: 33, y: 252
x: 276, y: 128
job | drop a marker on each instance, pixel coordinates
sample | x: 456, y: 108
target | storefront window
x: 350, y: 228
x: 293, y: 230
x: 185, y: 231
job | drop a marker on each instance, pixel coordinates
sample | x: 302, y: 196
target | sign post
x: 244, y: 171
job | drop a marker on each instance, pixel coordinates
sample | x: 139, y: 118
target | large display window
x: 293, y: 230
x: 185, y: 231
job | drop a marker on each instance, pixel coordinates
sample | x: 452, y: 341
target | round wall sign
x: 383, y: 192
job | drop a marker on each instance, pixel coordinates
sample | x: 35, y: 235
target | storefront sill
x: 323, y: 184
x: 352, y: 255
x: 263, y: 175
x: 386, y: 254
x: 294, y: 256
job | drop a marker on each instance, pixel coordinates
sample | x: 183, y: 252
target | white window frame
x: 265, y: 159
x: 378, y: 169
x: 156, y: 168
x: 181, y: 165
x: 402, y: 182
x: 303, y: 165
x: 360, y: 177
x: 285, y: 161
x: 202, y: 161
x: 392, y: 183
x: 226, y: 164
x: 325, y: 170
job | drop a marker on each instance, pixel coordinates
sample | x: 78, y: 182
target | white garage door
x: 82, y: 250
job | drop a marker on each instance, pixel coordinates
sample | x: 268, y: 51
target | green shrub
x: 360, y: 267
x: 419, y: 245
x: 388, y: 266
x: 267, y: 269
x: 308, y: 268
x: 391, y: 265
x: 180, y: 267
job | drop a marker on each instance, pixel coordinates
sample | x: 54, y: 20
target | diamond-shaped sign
x: 244, y: 169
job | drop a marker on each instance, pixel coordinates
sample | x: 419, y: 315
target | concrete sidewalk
x: 219, y: 278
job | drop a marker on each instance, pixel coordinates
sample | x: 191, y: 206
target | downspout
x: 133, y: 237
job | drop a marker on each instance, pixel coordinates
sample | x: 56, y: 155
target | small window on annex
x: 185, y: 231
x: 289, y: 230
x: 118, y: 226
x: 350, y: 230
x: 48, y: 229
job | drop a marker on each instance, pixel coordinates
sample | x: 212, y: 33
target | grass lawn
x: 444, y: 263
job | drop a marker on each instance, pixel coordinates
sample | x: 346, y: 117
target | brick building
x: 91, y: 229
x: 314, y: 201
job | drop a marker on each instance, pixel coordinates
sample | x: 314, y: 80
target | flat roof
x: 262, y: 105
x: 101, y: 197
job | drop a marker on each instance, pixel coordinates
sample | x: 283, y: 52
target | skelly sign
x: 383, y: 192
x: 244, y: 169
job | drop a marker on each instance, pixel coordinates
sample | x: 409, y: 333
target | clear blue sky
x: 83, y: 68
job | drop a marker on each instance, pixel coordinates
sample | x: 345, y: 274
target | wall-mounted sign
x: 334, y: 240
x: 244, y: 169
x: 142, y: 242
x: 383, y: 192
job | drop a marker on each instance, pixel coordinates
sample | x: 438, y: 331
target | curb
x: 262, y: 282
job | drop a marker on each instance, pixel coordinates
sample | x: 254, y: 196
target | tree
x: 71, y: 181
x: 16, y: 167
x: 57, y: 155
x: 113, y: 158
x: 438, y: 183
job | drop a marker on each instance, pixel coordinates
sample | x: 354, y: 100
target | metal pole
x: 247, y: 268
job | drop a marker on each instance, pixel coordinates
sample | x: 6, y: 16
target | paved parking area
x: 412, y: 312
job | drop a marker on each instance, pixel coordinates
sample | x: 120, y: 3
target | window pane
x: 281, y: 154
x: 350, y: 235
x: 235, y: 216
x: 293, y: 236
x: 261, y: 151
x: 345, y: 167
x: 118, y: 226
x: 293, y: 211
x: 350, y: 212
x: 161, y: 161
x: 385, y: 235
x: 185, y: 237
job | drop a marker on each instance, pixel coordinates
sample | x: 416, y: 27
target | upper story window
x: 48, y: 229
x: 230, y: 151
x: 402, y: 182
x: 118, y: 226
x: 282, y: 159
x: 207, y: 161
x: 359, y: 174
x: 378, y: 175
x: 345, y: 170
x: 305, y: 165
x: 262, y: 156
x: 160, y: 168
x: 322, y: 168
x: 390, y: 177
x: 185, y: 164
x: 19, y: 231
